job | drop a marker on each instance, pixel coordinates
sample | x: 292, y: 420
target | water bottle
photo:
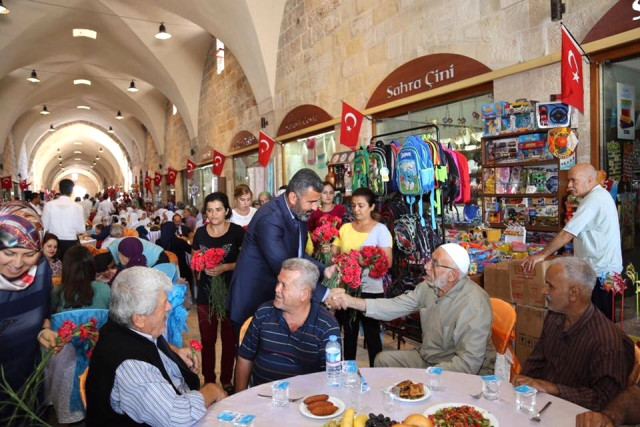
x: 333, y: 361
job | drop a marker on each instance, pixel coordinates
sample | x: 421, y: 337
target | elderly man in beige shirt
x: 455, y: 315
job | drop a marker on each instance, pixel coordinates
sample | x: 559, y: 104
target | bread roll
x: 418, y: 420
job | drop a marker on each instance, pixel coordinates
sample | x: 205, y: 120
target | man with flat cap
x: 455, y: 315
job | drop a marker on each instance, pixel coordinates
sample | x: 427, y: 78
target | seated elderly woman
x: 134, y: 375
x: 130, y: 254
x: 116, y: 232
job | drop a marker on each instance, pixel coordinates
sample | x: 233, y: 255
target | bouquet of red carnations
x: 327, y: 230
x: 375, y: 260
x: 347, y: 274
x: 208, y: 260
x: 87, y: 331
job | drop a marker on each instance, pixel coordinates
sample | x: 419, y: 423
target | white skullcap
x: 458, y: 254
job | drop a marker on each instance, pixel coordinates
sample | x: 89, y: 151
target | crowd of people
x: 277, y: 316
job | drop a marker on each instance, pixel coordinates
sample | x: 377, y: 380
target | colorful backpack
x: 416, y: 173
x: 379, y: 171
x: 360, y: 169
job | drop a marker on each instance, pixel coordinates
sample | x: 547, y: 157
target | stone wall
x: 9, y: 161
x: 176, y: 145
x: 227, y: 106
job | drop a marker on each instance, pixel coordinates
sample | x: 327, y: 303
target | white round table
x: 457, y: 387
x: 154, y: 236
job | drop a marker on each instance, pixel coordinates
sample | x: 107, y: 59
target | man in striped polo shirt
x: 288, y: 335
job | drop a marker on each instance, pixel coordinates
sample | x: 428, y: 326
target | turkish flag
x: 157, y: 179
x: 191, y: 165
x: 147, y: 182
x: 571, y: 71
x: 218, y: 162
x: 265, y: 148
x: 350, y: 125
x: 6, y: 182
x: 171, y: 176
x: 24, y: 184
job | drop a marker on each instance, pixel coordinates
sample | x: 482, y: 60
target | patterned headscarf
x: 20, y: 226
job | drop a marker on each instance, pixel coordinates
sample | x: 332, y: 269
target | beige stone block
x: 385, y: 10
x: 516, y: 18
x: 533, y: 44
x: 506, y: 3
x: 489, y: 7
x: 362, y: 23
x: 394, y: 45
x: 354, y: 45
x: 363, y: 6
x: 377, y: 55
x: 505, y: 51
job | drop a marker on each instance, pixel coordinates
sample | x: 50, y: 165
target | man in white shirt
x: 594, y: 230
x: 86, y: 206
x: 64, y: 218
x: 34, y: 202
x: 105, y: 207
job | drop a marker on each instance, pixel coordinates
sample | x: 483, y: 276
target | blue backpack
x: 416, y: 174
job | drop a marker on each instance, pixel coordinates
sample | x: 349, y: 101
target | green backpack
x: 360, y: 169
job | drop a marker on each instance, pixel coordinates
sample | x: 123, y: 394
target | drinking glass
x: 526, y: 399
x: 280, y: 393
x: 491, y: 387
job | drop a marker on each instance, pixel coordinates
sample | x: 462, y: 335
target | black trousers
x: 351, y: 328
x: 64, y: 245
x: 602, y: 299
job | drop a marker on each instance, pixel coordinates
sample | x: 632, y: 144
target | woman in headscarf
x: 130, y: 255
x: 25, y: 289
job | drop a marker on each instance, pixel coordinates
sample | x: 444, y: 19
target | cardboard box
x: 496, y: 281
x: 526, y: 288
x: 528, y: 329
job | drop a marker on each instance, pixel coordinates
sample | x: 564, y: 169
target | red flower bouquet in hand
x: 375, y: 260
x: 196, y: 347
x: 326, y: 231
x: 347, y: 274
x: 207, y: 260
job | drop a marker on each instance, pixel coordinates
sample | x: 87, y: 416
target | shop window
x: 313, y: 152
x: 248, y: 171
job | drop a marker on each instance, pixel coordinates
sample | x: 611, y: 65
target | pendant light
x: 44, y: 111
x: 34, y: 77
x: 51, y: 128
x: 132, y: 86
x: 162, y: 33
x: 110, y: 130
x: 119, y: 115
x: 3, y: 9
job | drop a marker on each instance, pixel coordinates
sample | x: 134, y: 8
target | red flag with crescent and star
x: 157, y: 179
x: 191, y: 166
x: 265, y: 148
x: 171, y: 176
x: 6, y: 182
x: 571, y: 71
x: 147, y: 182
x: 24, y: 184
x: 218, y: 162
x: 350, y: 125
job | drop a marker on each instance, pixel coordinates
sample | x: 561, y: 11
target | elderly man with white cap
x: 455, y: 315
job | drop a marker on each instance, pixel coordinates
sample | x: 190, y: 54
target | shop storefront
x: 246, y: 169
x: 203, y: 181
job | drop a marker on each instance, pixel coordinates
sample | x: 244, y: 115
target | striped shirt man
x: 277, y: 352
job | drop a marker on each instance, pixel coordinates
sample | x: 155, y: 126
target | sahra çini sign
x: 424, y: 74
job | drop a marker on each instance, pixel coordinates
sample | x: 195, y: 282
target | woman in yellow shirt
x: 365, y: 230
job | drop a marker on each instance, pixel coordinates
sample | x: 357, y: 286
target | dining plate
x: 488, y: 415
x: 337, y: 402
x: 426, y: 395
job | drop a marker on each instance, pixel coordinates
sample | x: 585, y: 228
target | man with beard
x: 455, y: 315
x: 278, y: 231
x: 581, y: 356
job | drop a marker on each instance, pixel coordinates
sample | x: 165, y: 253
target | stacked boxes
x: 504, y: 117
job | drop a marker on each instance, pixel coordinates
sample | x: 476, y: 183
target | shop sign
x: 243, y: 139
x: 424, y: 74
x: 623, y: 16
x: 207, y: 156
x: 302, y: 117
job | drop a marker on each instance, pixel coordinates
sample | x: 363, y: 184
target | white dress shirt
x: 64, y: 218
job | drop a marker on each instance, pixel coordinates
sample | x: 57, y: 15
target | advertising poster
x: 626, y: 111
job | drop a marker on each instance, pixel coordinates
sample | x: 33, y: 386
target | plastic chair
x: 243, y: 329
x: 503, y: 330
x: 173, y: 258
x: 634, y: 376
x: 83, y: 379
x: 170, y: 269
x: 130, y: 232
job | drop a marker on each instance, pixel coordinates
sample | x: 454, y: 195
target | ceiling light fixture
x: 97, y: 157
x: 77, y: 143
x: 77, y: 158
x: 162, y: 32
x: 59, y: 157
x: 132, y: 86
x: 83, y: 107
x: 119, y: 116
x: 82, y: 82
x: 84, y: 32
x: 51, y: 128
x: 44, y: 111
x: 3, y: 9
x: 100, y: 150
x: 34, y: 76
x: 77, y: 152
x: 110, y: 130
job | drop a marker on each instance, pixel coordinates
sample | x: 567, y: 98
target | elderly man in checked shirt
x: 134, y: 376
x: 581, y: 355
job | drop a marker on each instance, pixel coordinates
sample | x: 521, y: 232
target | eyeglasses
x: 435, y: 263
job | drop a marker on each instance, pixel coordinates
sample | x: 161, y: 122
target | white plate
x: 427, y: 393
x: 337, y: 402
x: 488, y: 415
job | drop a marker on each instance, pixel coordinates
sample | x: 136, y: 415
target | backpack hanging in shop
x: 465, y: 181
x: 378, y: 169
x: 441, y: 175
x: 453, y: 188
x: 416, y: 174
x: 360, y: 169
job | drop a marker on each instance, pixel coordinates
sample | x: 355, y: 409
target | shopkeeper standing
x: 594, y: 229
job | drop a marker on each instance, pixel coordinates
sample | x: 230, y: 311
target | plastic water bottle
x: 333, y: 361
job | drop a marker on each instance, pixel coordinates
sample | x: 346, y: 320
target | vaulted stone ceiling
x: 37, y: 35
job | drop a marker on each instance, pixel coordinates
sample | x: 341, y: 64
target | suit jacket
x: 272, y: 237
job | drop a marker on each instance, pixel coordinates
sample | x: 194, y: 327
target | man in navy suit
x: 278, y: 231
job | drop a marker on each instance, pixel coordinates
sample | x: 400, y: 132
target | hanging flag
x: 571, y: 71
x: 218, y: 162
x: 350, y: 125
x: 24, y: 184
x: 265, y: 148
x: 191, y: 166
x: 171, y: 176
x: 157, y: 179
x: 6, y: 182
x: 147, y: 182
